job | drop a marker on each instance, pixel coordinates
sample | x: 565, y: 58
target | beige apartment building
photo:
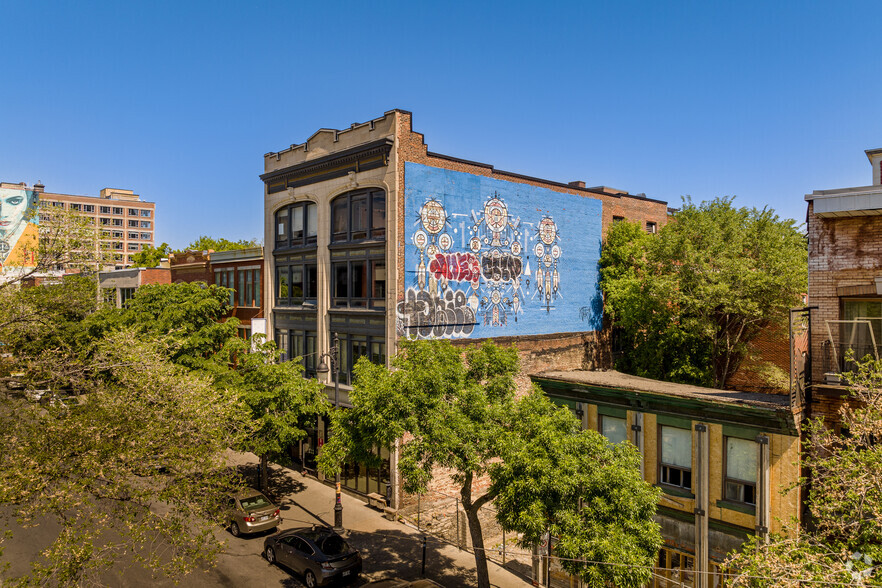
x: 127, y: 223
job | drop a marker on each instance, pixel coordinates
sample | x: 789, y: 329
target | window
x: 225, y: 278
x: 117, y: 222
x: 651, y: 227
x: 359, y: 215
x: 126, y: 294
x: 88, y: 208
x: 296, y: 225
x: 105, y: 221
x: 133, y: 223
x: 145, y: 213
x: 618, y: 219
x: 614, y: 428
x: 117, y: 210
x: 145, y: 236
x: 145, y: 224
x: 353, y: 347
x: 133, y: 235
x: 104, y: 210
x: 358, y: 283
x: 133, y: 212
x: 675, y: 457
x: 116, y: 234
x: 740, y: 482
x: 299, y: 343
x: 108, y: 295
x: 58, y: 204
x: 296, y: 284
x: 249, y: 287
x: 134, y: 247
x: 76, y: 206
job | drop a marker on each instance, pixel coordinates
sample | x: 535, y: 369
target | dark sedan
x: 318, y: 553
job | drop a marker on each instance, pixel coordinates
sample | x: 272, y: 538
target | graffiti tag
x: 503, y: 268
x: 422, y: 315
x: 461, y: 267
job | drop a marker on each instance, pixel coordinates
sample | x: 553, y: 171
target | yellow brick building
x: 723, y: 459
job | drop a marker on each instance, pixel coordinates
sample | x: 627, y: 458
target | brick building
x: 242, y: 271
x: 845, y: 283
x: 372, y: 237
x: 118, y: 286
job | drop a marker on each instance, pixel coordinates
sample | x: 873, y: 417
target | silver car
x: 318, y: 553
x: 251, y: 512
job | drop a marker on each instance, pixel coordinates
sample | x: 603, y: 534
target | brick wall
x: 843, y: 252
x: 538, y: 353
x: 772, y: 346
x: 156, y: 275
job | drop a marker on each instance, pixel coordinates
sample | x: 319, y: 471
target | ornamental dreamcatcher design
x: 548, y: 252
x: 495, y: 240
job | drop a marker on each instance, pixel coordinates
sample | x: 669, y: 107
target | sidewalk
x: 389, y: 548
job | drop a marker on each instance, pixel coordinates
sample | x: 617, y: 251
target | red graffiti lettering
x: 461, y: 267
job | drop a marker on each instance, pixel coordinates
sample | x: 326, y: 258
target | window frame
x: 308, y: 341
x: 308, y: 289
x: 735, y: 481
x: 669, y: 468
x: 375, y: 201
x: 309, y: 237
x: 347, y: 358
x: 600, y: 419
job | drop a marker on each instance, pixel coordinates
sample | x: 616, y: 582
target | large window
x: 249, y: 287
x: 296, y: 343
x: 358, y: 216
x: 614, y: 428
x: 296, y: 284
x: 675, y: 457
x: 226, y: 278
x: 352, y: 347
x: 358, y: 283
x: 296, y: 225
x: 740, y: 482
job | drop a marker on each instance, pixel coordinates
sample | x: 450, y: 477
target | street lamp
x: 333, y: 356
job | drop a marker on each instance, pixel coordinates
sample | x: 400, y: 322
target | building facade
x: 241, y: 270
x: 845, y: 284
x: 372, y: 237
x: 119, y: 286
x: 721, y: 458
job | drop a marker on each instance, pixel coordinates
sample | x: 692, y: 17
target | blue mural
x: 489, y: 258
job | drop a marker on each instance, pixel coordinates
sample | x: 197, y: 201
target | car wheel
x: 309, y: 578
x: 234, y: 529
x: 270, y: 555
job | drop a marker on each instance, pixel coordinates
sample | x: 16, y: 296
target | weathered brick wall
x: 156, y: 275
x: 772, y: 346
x: 843, y: 252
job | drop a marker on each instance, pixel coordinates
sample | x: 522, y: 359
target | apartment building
x: 371, y: 238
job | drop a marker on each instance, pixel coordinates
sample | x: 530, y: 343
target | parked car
x: 251, y: 512
x: 399, y: 583
x: 318, y: 553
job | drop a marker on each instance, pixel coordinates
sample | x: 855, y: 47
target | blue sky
x: 180, y: 100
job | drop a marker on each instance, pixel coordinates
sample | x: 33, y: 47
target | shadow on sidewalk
x: 391, y: 553
x: 280, y: 483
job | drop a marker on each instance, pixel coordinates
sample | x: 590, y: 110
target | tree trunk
x: 471, y: 511
x: 263, y: 482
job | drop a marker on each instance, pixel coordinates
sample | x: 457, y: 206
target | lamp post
x: 333, y: 356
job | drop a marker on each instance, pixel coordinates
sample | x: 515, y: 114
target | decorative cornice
x: 359, y: 158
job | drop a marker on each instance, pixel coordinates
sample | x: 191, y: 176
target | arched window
x: 359, y: 216
x: 296, y: 225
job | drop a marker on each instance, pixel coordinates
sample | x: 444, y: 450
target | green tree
x: 133, y: 470
x: 687, y: 302
x: 151, y: 256
x: 464, y: 415
x: 842, y: 542
x: 206, y: 243
x: 281, y: 402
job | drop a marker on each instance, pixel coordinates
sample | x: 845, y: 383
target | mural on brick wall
x: 18, y: 227
x: 489, y: 258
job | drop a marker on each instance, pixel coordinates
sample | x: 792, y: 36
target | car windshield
x: 253, y: 502
x: 333, y: 545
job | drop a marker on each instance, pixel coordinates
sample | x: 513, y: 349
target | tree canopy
x: 462, y: 413
x: 685, y: 303
x: 206, y: 243
x: 151, y: 256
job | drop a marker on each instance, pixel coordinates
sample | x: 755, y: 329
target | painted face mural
x: 486, y: 258
x: 15, y: 207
